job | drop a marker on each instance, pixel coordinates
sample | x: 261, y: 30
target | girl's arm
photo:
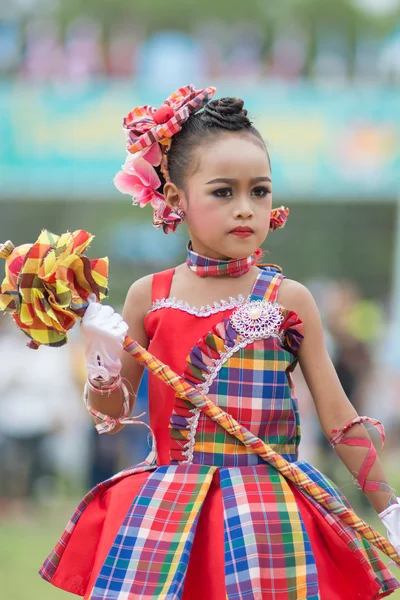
x: 137, y: 303
x: 334, y: 409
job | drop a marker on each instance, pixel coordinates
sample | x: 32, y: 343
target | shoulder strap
x: 267, y: 284
x: 161, y: 284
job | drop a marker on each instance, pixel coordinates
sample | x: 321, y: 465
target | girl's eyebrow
x: 232, y: 181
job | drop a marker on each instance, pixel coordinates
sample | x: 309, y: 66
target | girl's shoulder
x: 143, y: 291
x: 295, y: 296
x: 138, y: 297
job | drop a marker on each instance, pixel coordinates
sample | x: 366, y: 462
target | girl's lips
x: 242, y: 234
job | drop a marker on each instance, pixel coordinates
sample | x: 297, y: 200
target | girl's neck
x: 204, y: 250
x: 201, y: 291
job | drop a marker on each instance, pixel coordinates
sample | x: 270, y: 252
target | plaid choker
x: 204, y: 266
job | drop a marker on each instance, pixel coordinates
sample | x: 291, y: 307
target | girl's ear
x: 173, y: 195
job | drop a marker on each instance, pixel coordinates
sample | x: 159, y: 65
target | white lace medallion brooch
x: 257, y: 319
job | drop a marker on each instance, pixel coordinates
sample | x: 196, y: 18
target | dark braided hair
x: 224, y: 114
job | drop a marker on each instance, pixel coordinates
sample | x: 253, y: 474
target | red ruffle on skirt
x: 341, y: 576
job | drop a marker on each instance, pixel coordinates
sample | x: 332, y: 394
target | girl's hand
x: 103, y: 332
x: 390, y: 517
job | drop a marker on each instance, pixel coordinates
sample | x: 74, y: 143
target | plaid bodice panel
x: 243, y: 365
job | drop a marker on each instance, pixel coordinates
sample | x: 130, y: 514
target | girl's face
x: 227, y: 200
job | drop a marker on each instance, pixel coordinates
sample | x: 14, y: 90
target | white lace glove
x: 103, y: 332
x: 390, y: 517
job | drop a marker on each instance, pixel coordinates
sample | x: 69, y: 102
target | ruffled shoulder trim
x: 293, y: 329
x: 209, y: 351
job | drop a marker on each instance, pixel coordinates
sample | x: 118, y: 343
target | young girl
x: 204, y: 517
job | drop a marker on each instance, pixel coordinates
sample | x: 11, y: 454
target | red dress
x: 328, y: 561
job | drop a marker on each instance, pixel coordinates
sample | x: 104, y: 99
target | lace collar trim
x: 202, y: 311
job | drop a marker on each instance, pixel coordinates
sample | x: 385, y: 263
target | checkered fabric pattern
x: 143, y: 131
x: 150, y: 554
x: 267, y: 285
x: 204, y: 266
x: 47, y: 285
x: 253, y: 388
x: 267, y: 550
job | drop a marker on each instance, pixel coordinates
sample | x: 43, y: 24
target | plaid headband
x: 149, y: 131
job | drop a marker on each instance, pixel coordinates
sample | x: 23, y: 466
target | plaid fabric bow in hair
x: 146, y: 125
x: 149, y: 132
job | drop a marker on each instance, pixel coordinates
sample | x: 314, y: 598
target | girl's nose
x: 243, y: 209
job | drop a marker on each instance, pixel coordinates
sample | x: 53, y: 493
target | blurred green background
x: 321, y: 79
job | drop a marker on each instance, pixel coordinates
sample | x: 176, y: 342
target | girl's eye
x: 261, y: 192
x: 258, y: 192
x: 223, y: 193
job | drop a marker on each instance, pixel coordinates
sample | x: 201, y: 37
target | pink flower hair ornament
x: 139, y: 179
x: 149, y: 131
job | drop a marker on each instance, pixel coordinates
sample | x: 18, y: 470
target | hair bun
x: 227, y: 113
x: 227, y: 106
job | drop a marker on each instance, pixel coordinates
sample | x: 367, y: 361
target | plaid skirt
x: 194, y: 531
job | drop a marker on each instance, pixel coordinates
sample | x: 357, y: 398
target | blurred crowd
x: 50, y: 448
x: 40, y: 50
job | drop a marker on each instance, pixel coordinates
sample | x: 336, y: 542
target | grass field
x: 23, y: 546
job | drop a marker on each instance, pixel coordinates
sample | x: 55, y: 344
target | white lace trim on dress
x: 203, y: 311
